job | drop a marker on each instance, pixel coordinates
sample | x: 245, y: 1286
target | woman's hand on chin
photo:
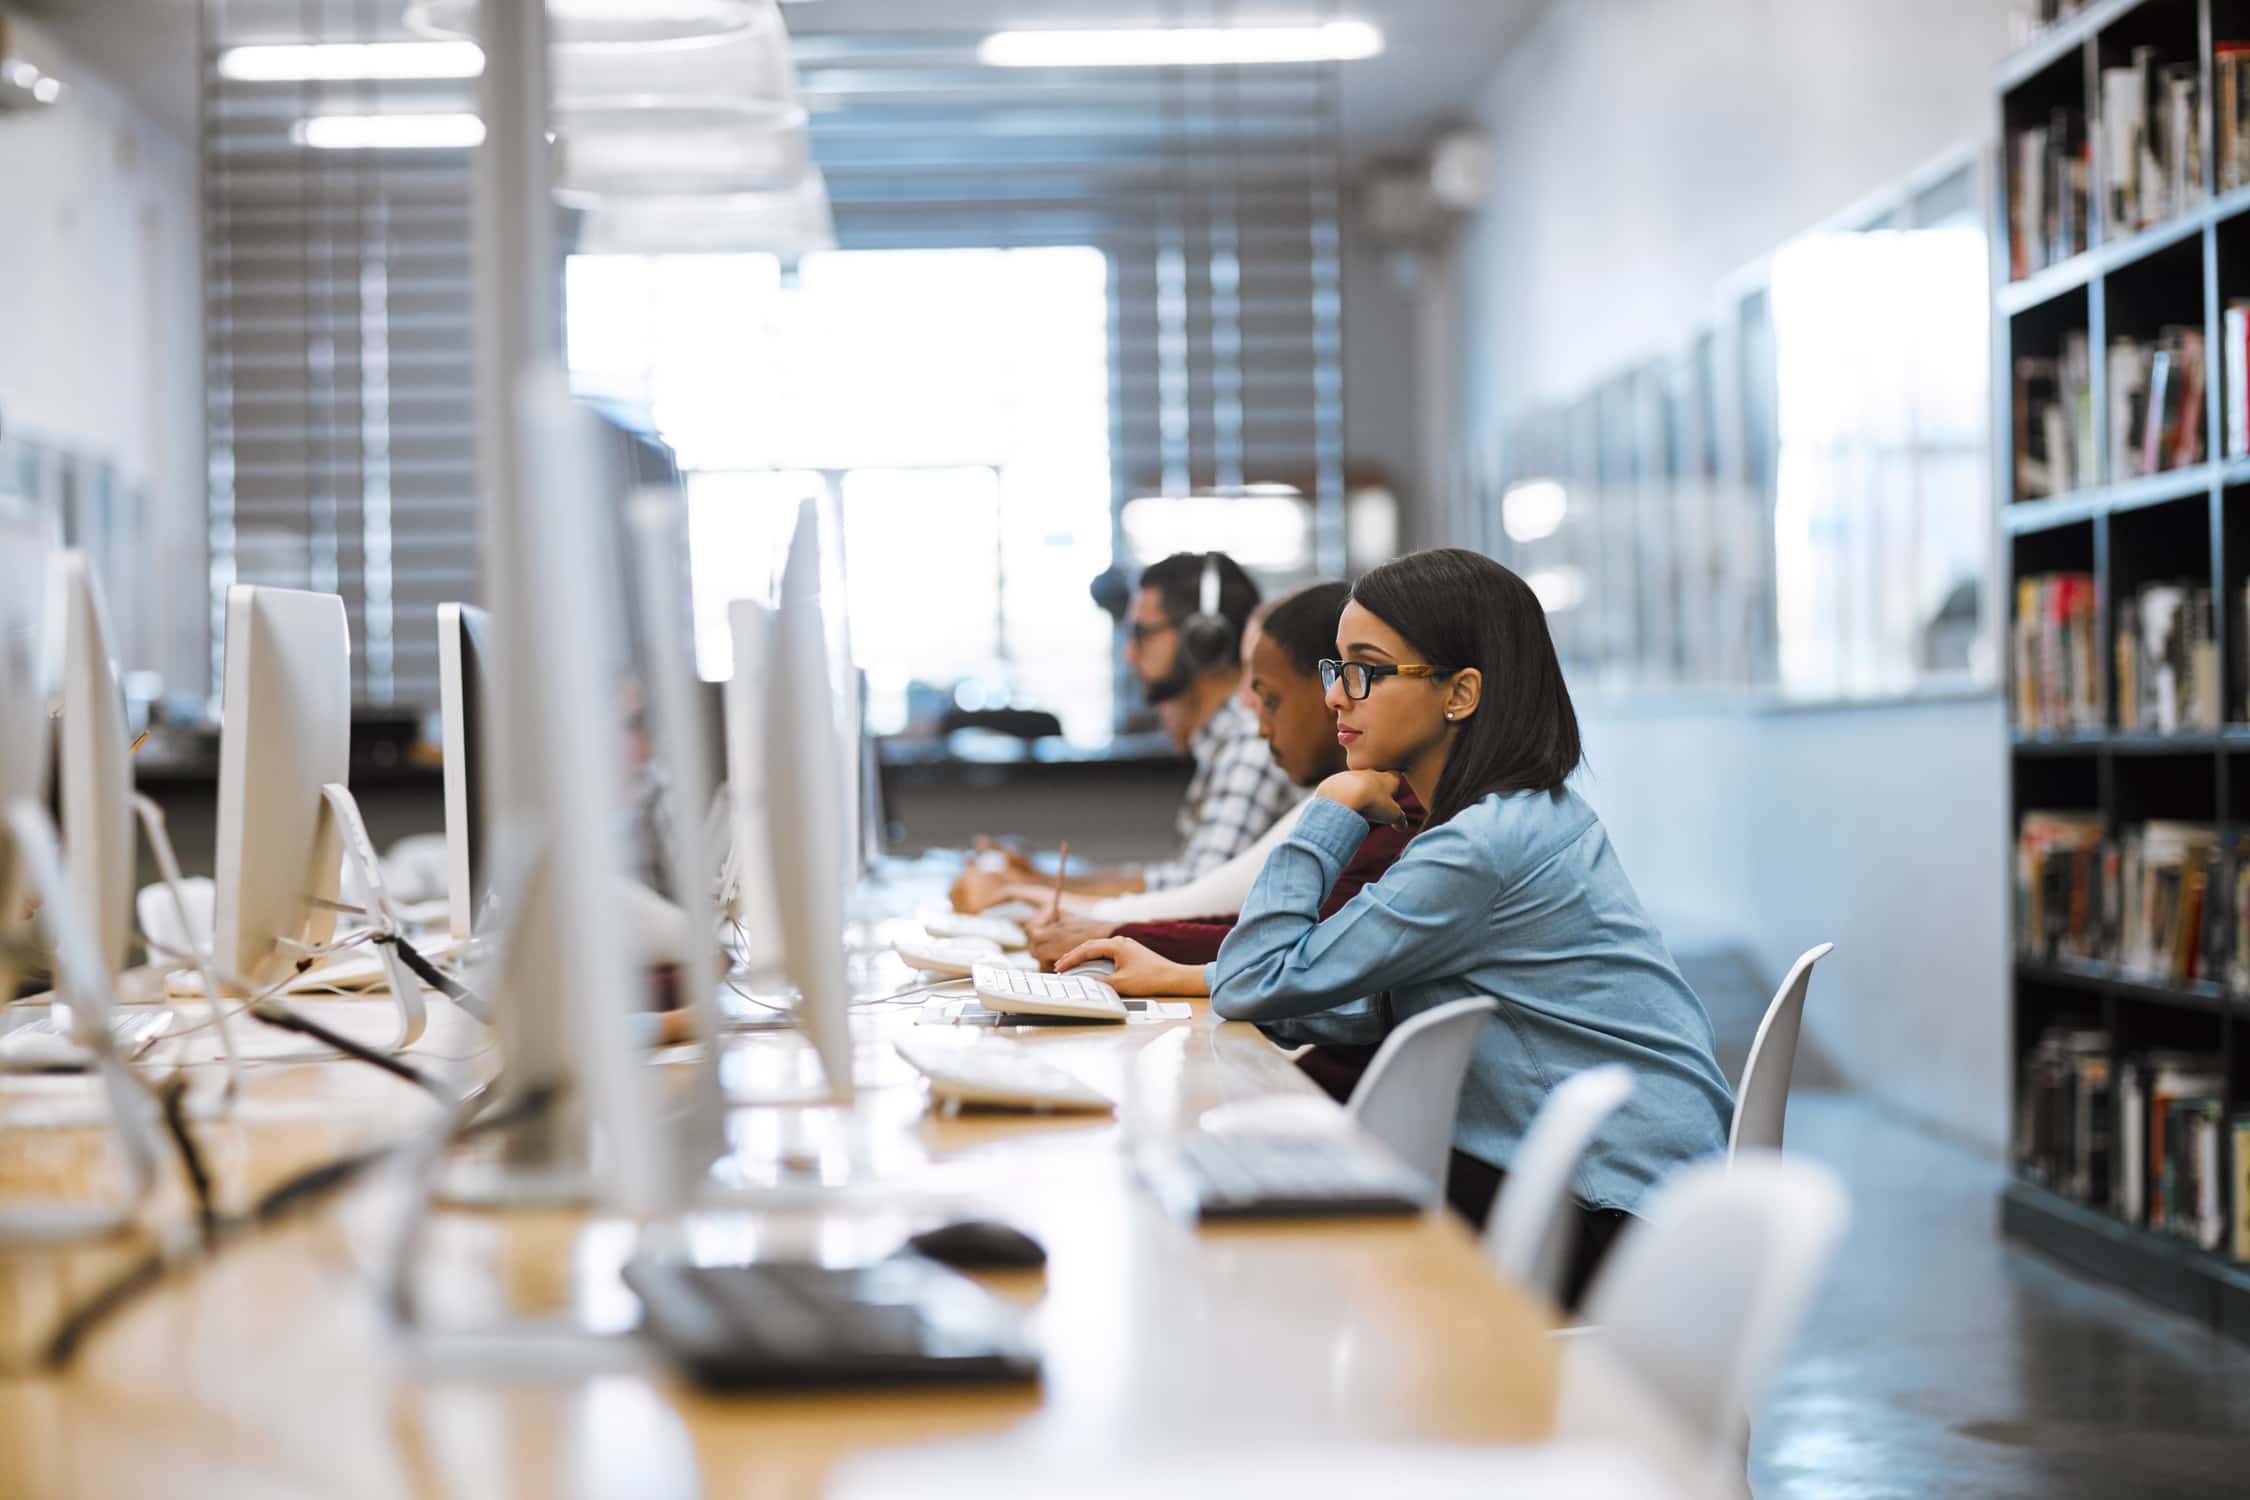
x: 1371, y: 794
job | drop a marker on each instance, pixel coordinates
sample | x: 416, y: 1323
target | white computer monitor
x: 563, y: 989
x: 756, y: 915
x: 95, y: 769
x: 286, y: 734
x: 807, y: 798
x: 464, y: 662
x: 24, y: 730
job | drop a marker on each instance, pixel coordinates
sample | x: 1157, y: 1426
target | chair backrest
x: 1762, y: 1100
x: 1702, y: 1300
x: 1528, y: 1239
x: 1410, y: 1093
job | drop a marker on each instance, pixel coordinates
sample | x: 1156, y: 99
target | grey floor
x: 1942, y: 1360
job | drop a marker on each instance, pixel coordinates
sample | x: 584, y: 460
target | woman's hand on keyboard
x: 1139, y: 970
x: 1051, y: 940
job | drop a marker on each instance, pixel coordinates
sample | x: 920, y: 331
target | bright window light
x: 388, y: 132
x: 1532, y: 510
x: 1559, y: 590
x: 955, y: 402
x: 338, y: 61
x: 1268, y: 534
x: 1182, y: 46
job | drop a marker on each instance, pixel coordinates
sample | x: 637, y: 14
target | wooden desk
x: 273, y: 1371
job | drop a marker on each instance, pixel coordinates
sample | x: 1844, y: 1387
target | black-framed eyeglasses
x: 1359, y: 677
x: 1141, y: 634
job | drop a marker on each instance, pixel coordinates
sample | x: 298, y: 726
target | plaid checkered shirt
x: 1236, y: 795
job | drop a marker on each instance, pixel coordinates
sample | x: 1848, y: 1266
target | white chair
x: 1410, y: 1093
x: 1762, y: 1100
x: 1697, y: 1307
x: 1529, y: 1237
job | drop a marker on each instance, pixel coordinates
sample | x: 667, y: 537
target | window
x: 954, y: 403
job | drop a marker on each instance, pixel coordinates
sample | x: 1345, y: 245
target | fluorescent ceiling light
x: 339, y: 61
x: 389, y: 132
x: 614, y: 23
x: 1182, y: 46
x: 1533, y: 510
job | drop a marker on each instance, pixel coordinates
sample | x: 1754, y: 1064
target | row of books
x: 2156, y: 395
x: 2054, y: 654
x: 2155, y: 403
x: 2054, y: 420
x: 2145, y: 1136
x: 2047, y: 198
x: 2166, y: 901
x: 2234, y: 356
x: 2152, y: 141
x: 2230, y: 74
x: 2167, y: 660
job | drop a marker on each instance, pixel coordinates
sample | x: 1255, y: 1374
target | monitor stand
x: 84, y: 979
x: 406, y: 990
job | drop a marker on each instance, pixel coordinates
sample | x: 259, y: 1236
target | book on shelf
x: 2065, y: 1115
x: 2239, y: 1134
x: 2242, y: 651
x: 2167, y: 659
x: 2234, y: 327
x: 2155, y: 403
x: 2060, y: 878
x: 2165, y: 875
x: 2055, y: 653
x: 2152, y: 141
x: 2054, y: 421
x: 2230, y: 73
x: 2047, y: 193
x: 2186, y: 1100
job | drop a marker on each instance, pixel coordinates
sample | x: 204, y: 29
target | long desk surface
x: 274, y: 1369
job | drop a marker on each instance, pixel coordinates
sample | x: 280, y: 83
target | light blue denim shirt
x: 1519, y: 897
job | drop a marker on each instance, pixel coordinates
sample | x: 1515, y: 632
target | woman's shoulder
x: 1527, y: 826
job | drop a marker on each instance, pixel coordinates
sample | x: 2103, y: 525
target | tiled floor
x: 1944, y: 1361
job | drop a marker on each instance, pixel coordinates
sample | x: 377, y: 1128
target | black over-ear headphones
x: 1207, y: 637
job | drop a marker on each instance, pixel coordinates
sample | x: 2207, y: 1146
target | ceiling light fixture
x: 389, y: 132
x: 1182, y: 46
x: 335, y: 62
x: 615, y: 23
x: 1533, y: 510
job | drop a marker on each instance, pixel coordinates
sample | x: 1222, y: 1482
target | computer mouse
x: 29, y: 1051
x: 979, y: 1244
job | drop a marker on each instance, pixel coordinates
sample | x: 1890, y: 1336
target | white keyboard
x: 999, y: 1074
x: 39, y: 1046
x: 953, y: 924
x: 953, y: 958
x: 1017, y: 992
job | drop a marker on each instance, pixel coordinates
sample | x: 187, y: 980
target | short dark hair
x: 1303, y: 624
x: 1178, y: 581
x: 1461, y: 609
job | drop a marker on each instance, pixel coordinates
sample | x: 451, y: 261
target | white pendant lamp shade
x: 788, y: 222
x: 615, y: 23
x: 678, y: 122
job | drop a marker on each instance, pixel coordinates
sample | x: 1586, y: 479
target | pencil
x: 1062, y: 863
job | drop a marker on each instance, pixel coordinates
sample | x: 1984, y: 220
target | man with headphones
x: 1184, y: 644
x: 1184, y: 640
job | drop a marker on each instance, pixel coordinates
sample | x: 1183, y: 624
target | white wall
x: 1645, y: 150
x: 101, y: 341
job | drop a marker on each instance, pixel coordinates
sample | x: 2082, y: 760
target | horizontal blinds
x: 338, y: 362
x: 338, y: 287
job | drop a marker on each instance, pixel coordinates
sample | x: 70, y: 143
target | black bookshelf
x: 2191, y: 522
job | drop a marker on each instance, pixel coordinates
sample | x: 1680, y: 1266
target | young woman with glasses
x: 1446, y: 682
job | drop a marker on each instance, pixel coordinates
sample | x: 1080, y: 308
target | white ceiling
x: 1438, y: 56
